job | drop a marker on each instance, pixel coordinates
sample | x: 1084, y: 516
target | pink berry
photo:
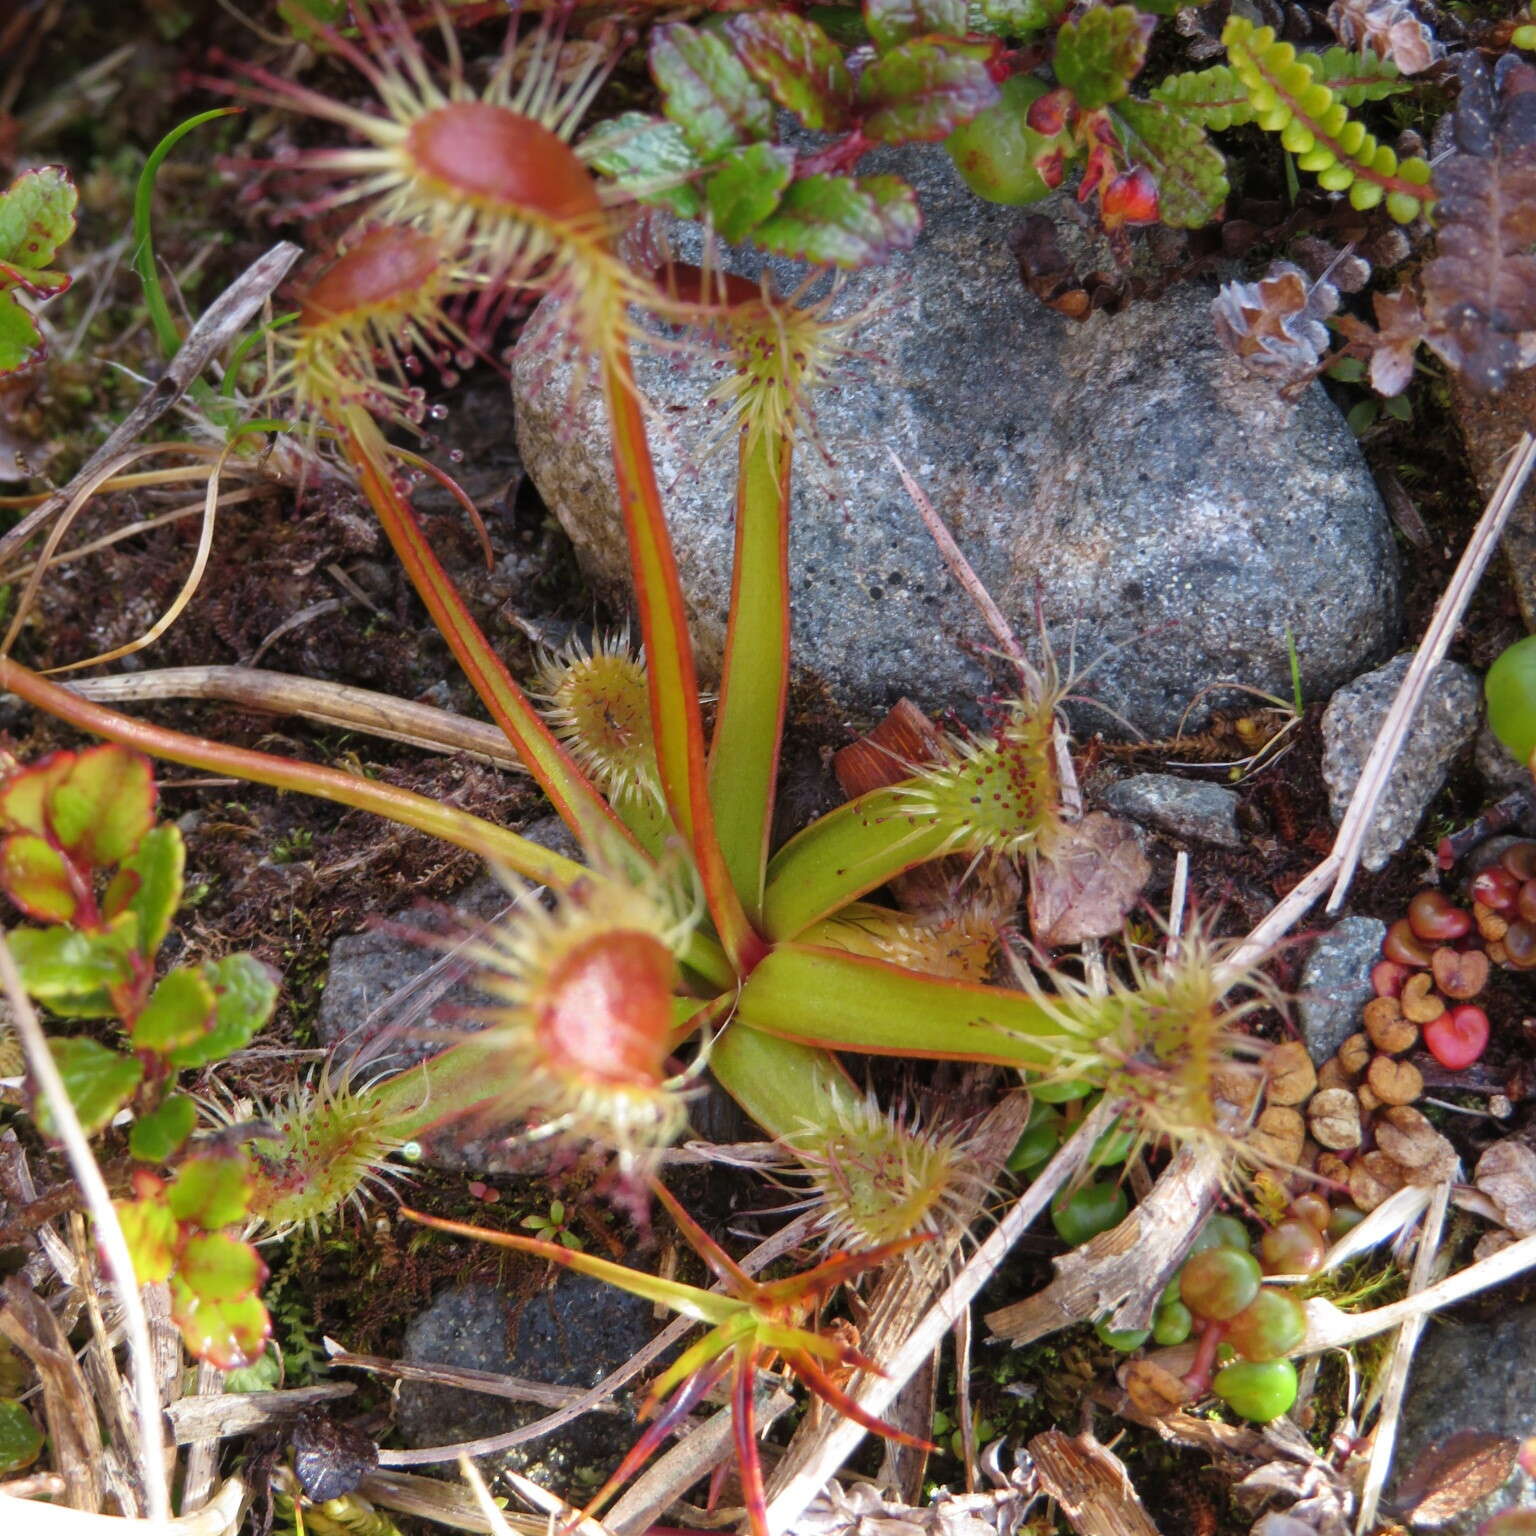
x: 1387, y: 978
x: 1456, y: 1039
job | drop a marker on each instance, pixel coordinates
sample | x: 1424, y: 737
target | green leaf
x: 24, y: 794
x: 210, y: 1192
x: 20, y: 1438
x: 1191, y: 173
x: 149, y: 884
x: 102, y: 808
x: 227, y: 1334
x: 1099, y: 55
x: 220, y: 1268
x: 301, y: 16
x: 707, y: 91
x: 842, y: 221
x: 1013, y: 18
x: 35, y: 876
x: 99, y: 1080
x: 246, y: 995
x: 150, y: 1230
x: 69, y: 970
x: 178, y: 1012
x: 37, y: 215
x: 892, y: 22
x: 1214, y: 97
x: 747, y: 188
x: 648, y: 156
x: 21, y: 343
x: 801, y: 66
x: 263, y: 1376
x: 157, y: 1135
x: 925, y: 90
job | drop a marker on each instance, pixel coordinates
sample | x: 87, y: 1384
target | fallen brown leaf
x: 1089, y: 880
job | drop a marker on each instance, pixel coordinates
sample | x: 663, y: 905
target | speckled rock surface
x: 1170, y: 512
x: 1186, y: 808
x: 1447, y: 720
x: 1336, y: 983
x: 1473, y: 1376
x: 571, y: 1335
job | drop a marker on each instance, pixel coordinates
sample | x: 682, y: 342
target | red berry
x: 1219, y: 1282
x: 1403, y: 946
x: 1456, y: 1039
x: 1313, y: 1209
x: 1387, y: 978
x: 1520, y: 945
x: 1525, y: 902
x: 1433, y: 918
x: 1496, y: 888
x: 1294, y: 1247
x: 1520, y: 860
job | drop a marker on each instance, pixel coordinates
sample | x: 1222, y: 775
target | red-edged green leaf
x: 149, y: 884
x: 99, y: 1080
x: 102, y: 808
x: 178, y: 1012
x: 71, y: 971
x: 707, y: 91
x: 747, y: 188
x: 246, y: 994
x: 925, y: 89
x: 157, y: 1135
x: 37, y: 215
x: 1099, y: 55
x: 842, y: 221
x: 801, y: 66
x: 648, y: 156
x: 36, y: 877
x: 891, y: 22
x: 210, y: 1192
x: 227, y: 1334
x: 25, y: 794
x: 1190, y: 172
x: 21, y: 343
x: 150, y: 1229
x: 220, y: 1268
x: 20, y: 1439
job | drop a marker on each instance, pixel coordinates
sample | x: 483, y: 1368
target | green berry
x: 1257, y: 1392
x: 1510, y: 688
x: 1222, y: 1232
x: 1123, y: 1339
x: 996, y: 151
x: 1270, y: 1327
x: 1172, y: 1323
x: 1088, y: 1210
x: 1219, y: 1283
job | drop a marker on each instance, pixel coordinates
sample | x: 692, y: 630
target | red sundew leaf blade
x: 744, y: 1431
x: 721, y: 1264
x: 838, y: 1270
x: 572, y: 794
x: 676, y: 722
x: 834, y: 1397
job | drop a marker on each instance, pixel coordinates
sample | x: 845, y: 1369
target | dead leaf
x: 1452, y: 1475
x: 1506, y: 1173
x: 1390, y: 29
x: 1275, y: 327
x: 1415, y: 1145
x: 1089, y: 880
x: 904, y: 741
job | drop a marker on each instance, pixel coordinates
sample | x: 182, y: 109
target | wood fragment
x: 221, y: 1415
x: 1090, y: 1484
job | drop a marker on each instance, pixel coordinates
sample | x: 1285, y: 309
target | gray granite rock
x: 1336, y: 983
x: 1473, y: 1376
x: 384, y: 981
x: 1501, y: 770
x: 1187, y: 808
x: 572, y: 1335
x: 1175, y: 518
x: 1447, y: 720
